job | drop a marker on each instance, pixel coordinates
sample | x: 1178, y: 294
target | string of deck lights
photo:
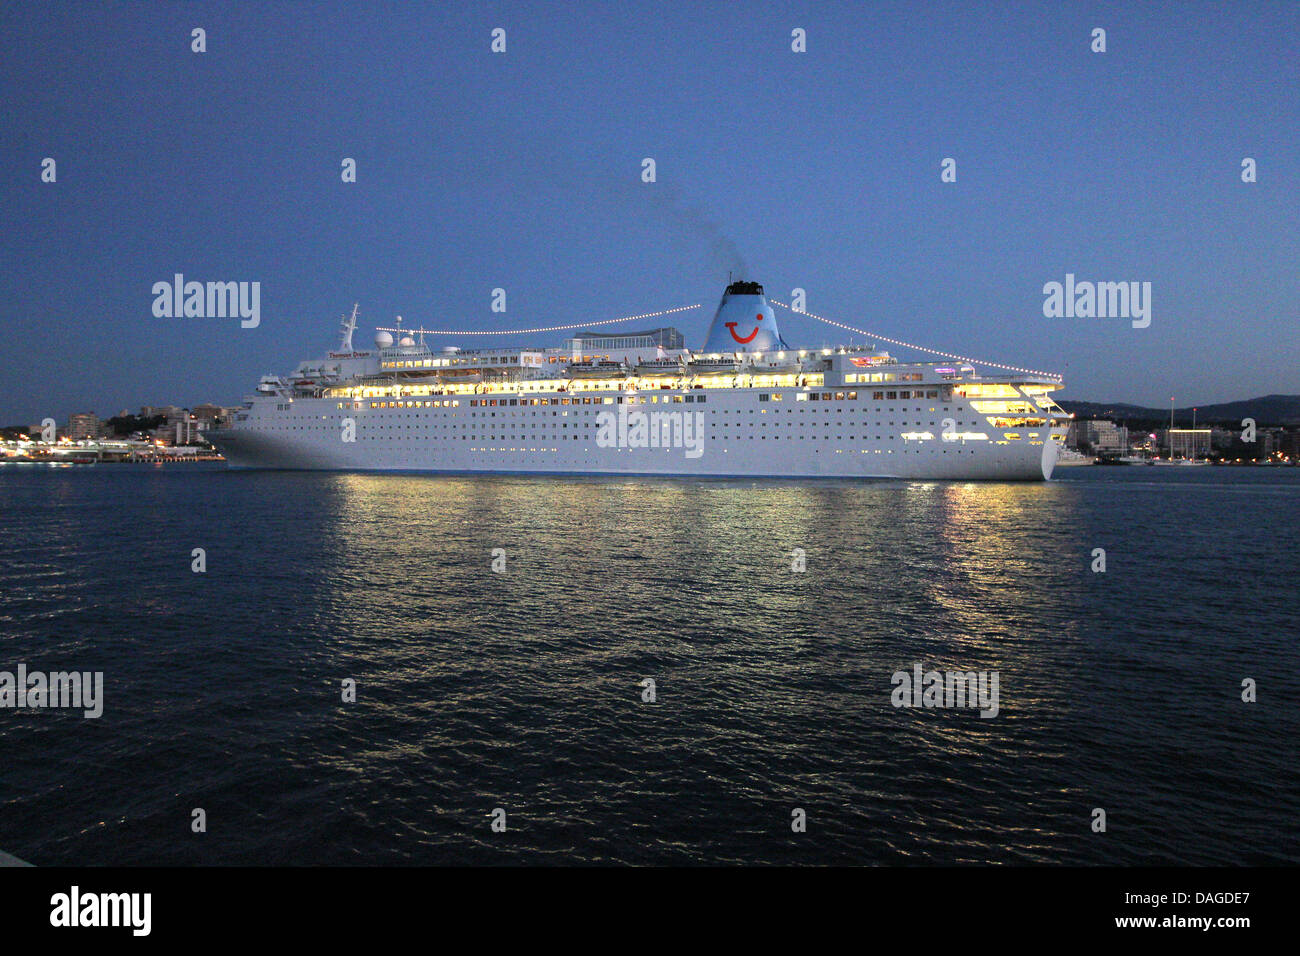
x: 553, y: 328
x: 909, y: 345
x: 687, y: 308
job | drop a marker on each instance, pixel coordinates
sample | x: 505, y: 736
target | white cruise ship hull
x: 733, y: 434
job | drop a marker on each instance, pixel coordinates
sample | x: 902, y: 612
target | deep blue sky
x: 522, y: 171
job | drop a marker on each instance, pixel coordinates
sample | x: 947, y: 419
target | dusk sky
x: 522, y: 170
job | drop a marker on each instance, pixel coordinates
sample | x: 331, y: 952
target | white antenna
x: 349, y: 326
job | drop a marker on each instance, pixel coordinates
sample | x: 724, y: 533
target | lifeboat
x: 661, y: 368
x: 776, y: 368
x: 714, y: 366
x: 598, y: 370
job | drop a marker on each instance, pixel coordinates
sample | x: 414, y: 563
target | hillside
x: 1266, y: 410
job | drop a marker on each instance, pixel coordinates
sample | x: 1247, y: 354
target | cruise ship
x: 747, y: 404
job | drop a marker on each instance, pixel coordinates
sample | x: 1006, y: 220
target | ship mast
x: 349, y: 326
x: 1171, y: 428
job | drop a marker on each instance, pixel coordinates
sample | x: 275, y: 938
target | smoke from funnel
x: 724, y: 255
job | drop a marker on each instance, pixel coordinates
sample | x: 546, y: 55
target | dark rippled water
x: 521, y: 690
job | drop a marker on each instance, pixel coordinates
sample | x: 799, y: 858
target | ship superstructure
x: 643, y: 403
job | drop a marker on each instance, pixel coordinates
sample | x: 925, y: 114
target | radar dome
x: 383, y: 340
x: 406, y: 341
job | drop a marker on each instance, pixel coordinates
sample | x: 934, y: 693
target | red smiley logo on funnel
x: 731, y: 327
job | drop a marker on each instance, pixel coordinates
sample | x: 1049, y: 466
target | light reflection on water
x: 521, y: 689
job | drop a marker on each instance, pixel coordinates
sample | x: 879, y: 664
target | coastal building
x: 1221, y: 438
x: 182, y: 430
x: 208, y: 412
x: 83, y: 425
x: 1188, y: 442
x: 1143, y: 444
x: 169, y: 412
x: 1270, y: 441
x: 1104, y: 437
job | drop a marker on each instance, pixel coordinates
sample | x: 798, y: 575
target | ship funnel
x: 744, y: 322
